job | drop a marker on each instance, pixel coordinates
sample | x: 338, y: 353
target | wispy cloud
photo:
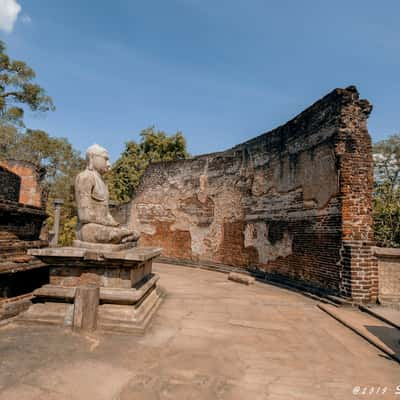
x: 9, y: 10
x: 26, y: 19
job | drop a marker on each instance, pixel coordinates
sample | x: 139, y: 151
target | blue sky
x: 219, y: 71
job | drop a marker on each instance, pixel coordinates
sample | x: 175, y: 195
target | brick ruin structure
x: 293, y: 204
x: 21, y: 217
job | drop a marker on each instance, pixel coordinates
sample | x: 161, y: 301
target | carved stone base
x: 106, y: 289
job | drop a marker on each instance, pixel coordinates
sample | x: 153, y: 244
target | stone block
x: 389, y: 275
x: 85, y: 308
x: 241, y: 278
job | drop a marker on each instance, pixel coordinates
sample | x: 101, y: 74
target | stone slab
x: 101, y: 247
x: 10, y: 308
x: 82, y: 256
x: 107, y: 295
x: 48, y: 313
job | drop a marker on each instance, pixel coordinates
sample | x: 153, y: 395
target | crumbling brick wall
x: 294, y: 202
x: 31, y: 191
x: 10, y: 184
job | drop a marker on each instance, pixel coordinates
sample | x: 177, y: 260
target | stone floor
x: 211, y: 339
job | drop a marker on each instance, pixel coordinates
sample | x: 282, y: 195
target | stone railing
x: 389, y: 275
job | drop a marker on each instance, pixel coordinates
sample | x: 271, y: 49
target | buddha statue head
x: 97, y: 159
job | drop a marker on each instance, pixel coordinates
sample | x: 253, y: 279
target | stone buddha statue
x: 96, y: 224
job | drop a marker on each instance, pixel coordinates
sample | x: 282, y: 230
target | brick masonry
x: 293, y: 203
x: 21, y: 217
x: 10, y: 184
x: 31, y: 190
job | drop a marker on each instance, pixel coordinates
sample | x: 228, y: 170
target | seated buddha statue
x: 95, y: 223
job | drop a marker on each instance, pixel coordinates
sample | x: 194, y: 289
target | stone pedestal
x: 127, y: 294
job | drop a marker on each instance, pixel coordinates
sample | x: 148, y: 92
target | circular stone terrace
x: 210, y: 339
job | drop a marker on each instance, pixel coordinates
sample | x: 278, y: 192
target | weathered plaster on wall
x: 191, y: 208
x: 256, y: 235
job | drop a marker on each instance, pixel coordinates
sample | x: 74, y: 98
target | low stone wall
x: 294, y: 203
x: 389, y: 275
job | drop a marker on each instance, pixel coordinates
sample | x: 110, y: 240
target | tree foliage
x: 154, y: 146
x: 36, y: 146
x: 386, y: 200
x: 18, y: 91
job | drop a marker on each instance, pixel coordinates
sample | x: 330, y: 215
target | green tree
x: 386, y: 200
x: 36, y: 146
x: 18, y: 91
x: 8, y: 139
x: 154, y: 146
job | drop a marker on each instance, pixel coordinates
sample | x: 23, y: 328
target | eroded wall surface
x: 294, y: 202
x: 30, y: 190
x: 10, y: 185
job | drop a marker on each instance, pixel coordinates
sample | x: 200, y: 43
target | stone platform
x: 212, y: 339
x: 106, y: 287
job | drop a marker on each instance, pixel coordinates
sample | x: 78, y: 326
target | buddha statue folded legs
x: 97, y: 233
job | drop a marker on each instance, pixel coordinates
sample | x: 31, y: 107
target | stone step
x: 340, y: 301
x: 48, y: 313
x: 107, y: 295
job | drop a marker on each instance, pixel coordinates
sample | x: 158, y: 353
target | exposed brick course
x: 31, y: 191
x: 10, y: 184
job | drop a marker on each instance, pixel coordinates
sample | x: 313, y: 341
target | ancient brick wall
x: 31, y: 192
x: 294, y: 203
x: 21, y: 217
x: 10, y: 184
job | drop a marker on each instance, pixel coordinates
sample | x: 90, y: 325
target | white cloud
x: 9, y: 10
x: 26, y: 19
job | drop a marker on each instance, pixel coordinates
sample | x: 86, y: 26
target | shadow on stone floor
x: 389, y: 336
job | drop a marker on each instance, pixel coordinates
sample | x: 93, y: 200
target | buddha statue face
x: 98, y: 159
